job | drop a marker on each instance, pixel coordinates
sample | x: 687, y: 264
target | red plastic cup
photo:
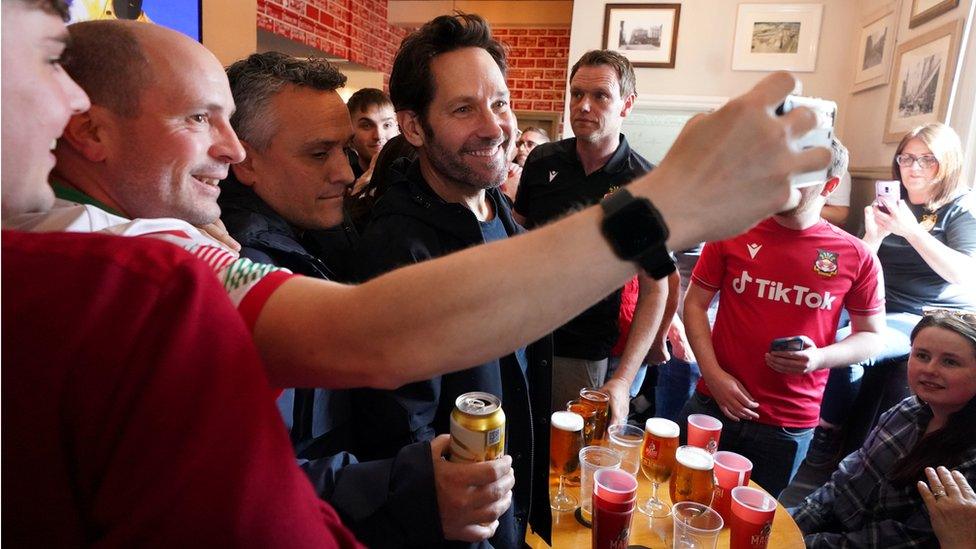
x: 731, y: 470
x: 614, y: 501
x: 704, y: 431
x: 752, y: 518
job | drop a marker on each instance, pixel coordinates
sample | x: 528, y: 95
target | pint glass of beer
x: 565, y: 441
x: 693, y: 478
x: 588, y: 413
x: 657, y: 460
x: 601, y: 402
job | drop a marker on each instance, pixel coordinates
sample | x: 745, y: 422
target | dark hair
x: 392, y: 158
x: 619, y: 63
x: 948, y: 445
x: 110, y: 64
x: 411, y: 81
x: 55, y: 7
x: 259, y: 77
x: 366, y: 98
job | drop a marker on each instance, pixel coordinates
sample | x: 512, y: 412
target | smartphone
x: 890, y: 191
x: 820, y: 136
x: 794, y: 343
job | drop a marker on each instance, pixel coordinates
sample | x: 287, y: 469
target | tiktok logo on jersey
x: 778, y: 291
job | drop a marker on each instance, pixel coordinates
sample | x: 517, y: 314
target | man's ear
x: 411, y: 128
x: 244, y: 170
x: 829, y: 186
x: 88, y: 133
x: 628, y: 104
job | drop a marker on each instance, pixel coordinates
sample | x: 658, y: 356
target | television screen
x: 180, y: 15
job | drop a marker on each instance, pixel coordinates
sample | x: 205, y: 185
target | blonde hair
x: 945, y: 146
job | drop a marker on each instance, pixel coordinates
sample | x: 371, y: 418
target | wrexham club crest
x: 826, y: 263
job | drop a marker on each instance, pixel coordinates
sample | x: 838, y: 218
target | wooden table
x: 567, y: 532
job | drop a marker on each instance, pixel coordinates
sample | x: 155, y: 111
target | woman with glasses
x: 877, y: 496
x: 926, y: 241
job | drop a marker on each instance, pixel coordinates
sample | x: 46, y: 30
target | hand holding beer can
x: 477, y: 428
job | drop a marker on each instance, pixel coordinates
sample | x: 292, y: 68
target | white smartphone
x: 890, y: 191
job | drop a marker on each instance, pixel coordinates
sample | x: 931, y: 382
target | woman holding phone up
x: 926, y: 241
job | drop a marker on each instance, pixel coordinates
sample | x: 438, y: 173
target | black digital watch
x: 637, y: 232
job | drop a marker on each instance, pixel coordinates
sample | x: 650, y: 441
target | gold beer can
x: 477, y: 428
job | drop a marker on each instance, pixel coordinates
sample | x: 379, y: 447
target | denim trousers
x: 844, y: 383
x: 676, y: 380
x: 775, y: 452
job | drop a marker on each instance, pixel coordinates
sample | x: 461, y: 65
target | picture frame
x: 924, y: 11
x: 876, y: 47
x: 185, y: 16
x: 646, y: 34
x: 771, y: 37
x: 923, y: 75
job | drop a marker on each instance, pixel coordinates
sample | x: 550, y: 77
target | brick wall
x: 537, y: 73
x: 356, y: 30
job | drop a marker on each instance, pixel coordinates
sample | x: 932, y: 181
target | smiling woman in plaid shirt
x: 872, y: 499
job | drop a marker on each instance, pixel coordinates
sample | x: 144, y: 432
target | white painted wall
x: 867, y: 110
x: 704, y: 57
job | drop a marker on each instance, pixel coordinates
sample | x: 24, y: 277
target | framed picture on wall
x: 771, y: 37
x: 646, y: 34
x: 924, y: 71
x: 876, y: 47
x: 924, y: 11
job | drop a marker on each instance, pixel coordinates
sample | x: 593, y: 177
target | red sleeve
x: 710, y: 270
x: 182, y: 445
x: 867, y: 293
x: 254, y: 301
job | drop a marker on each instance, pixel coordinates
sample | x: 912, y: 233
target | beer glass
x: 601, y: 401
x: 565, y: 441
x: 628, y: 440
x: 657, y: 460
x: 587, y: 412
x: 693, y: 478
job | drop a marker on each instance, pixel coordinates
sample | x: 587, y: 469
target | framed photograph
x: 924, y: 11
x: 771, y: 37
x: 876, y: 47
x: 924, y: 70
x: 646, y: 34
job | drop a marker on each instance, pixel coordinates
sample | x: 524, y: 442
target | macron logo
x: 552, y: 175
x: 753, y: 249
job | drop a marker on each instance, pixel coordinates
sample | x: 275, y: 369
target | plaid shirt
x: 858, y: 507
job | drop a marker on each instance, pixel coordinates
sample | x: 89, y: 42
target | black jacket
x: 410, y: 224
x: 387, y: 503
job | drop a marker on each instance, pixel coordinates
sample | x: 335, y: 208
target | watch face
x: 634, y: 229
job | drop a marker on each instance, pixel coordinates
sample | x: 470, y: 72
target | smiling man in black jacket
x: 448, y: 87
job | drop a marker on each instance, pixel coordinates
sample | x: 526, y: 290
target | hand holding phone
x: 886, y: 192
x: 794, y: 343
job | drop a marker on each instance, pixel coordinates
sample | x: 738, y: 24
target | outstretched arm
x: 446, y: 314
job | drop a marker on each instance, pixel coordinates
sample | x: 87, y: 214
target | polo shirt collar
x: 74, y: 195
x: 619, y: 161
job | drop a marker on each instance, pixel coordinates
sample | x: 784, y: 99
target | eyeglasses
x: 925, y: 161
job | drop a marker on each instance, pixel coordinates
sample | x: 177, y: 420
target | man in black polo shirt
x: 567, y: 175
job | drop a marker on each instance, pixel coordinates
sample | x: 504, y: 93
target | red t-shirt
x: 136, y: 411
x: 778, y: 282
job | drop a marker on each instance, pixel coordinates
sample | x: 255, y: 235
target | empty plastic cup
x: 752, y: 518
x: 695, y: 526
x: 704, y: 431
x: 592, y: 459
x: 628, y: 440
x: 731, y: 470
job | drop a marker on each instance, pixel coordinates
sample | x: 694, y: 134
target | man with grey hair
x: 765, y: 363
x: 293, y: 126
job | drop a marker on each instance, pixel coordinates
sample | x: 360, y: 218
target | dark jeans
x: 844, y: 383
x: 775, y: 452
x: 676, y: 380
